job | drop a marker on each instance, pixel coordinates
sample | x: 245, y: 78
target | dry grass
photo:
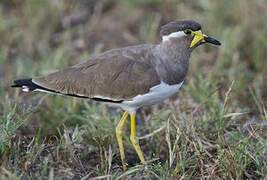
x: 214, y: 129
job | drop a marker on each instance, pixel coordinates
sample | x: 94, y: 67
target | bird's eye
x: 187, y: 31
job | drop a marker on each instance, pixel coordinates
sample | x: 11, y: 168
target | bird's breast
x: 156, y: 95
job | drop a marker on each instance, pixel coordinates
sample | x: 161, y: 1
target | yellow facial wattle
x: 198, y: 36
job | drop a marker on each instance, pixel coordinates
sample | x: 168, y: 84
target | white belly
x: 156, y: 95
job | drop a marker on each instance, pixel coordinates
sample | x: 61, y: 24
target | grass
x: 215, y: 128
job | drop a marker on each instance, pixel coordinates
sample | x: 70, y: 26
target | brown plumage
x: 124, y: 73
x: 116, y: 74
x: 129, y: 77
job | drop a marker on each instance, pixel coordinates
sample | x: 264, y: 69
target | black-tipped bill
x: 212, y: 40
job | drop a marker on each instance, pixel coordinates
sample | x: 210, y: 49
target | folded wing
x: 114, y: 78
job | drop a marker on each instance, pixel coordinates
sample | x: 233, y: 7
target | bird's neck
x: 172, y: 60
x: 175, y: 50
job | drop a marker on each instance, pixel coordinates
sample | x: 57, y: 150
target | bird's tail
x: 27, y: 85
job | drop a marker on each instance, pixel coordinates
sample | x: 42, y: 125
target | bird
x: 129, y: 77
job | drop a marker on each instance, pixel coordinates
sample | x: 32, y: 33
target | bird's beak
x: 200, y: 37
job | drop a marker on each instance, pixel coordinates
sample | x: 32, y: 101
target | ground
x: 215, y: 128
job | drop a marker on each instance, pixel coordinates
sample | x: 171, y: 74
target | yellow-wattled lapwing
x: 129, y: 77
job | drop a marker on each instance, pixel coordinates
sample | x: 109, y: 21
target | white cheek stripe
x: 173, y: 35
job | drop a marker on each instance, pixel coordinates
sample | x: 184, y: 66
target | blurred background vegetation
x: 216, y: 127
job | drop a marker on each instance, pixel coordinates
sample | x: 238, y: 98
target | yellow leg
x: 119, y: 134
x: 134, y: 141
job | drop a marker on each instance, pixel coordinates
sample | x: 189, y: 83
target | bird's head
x: 186, y: 31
